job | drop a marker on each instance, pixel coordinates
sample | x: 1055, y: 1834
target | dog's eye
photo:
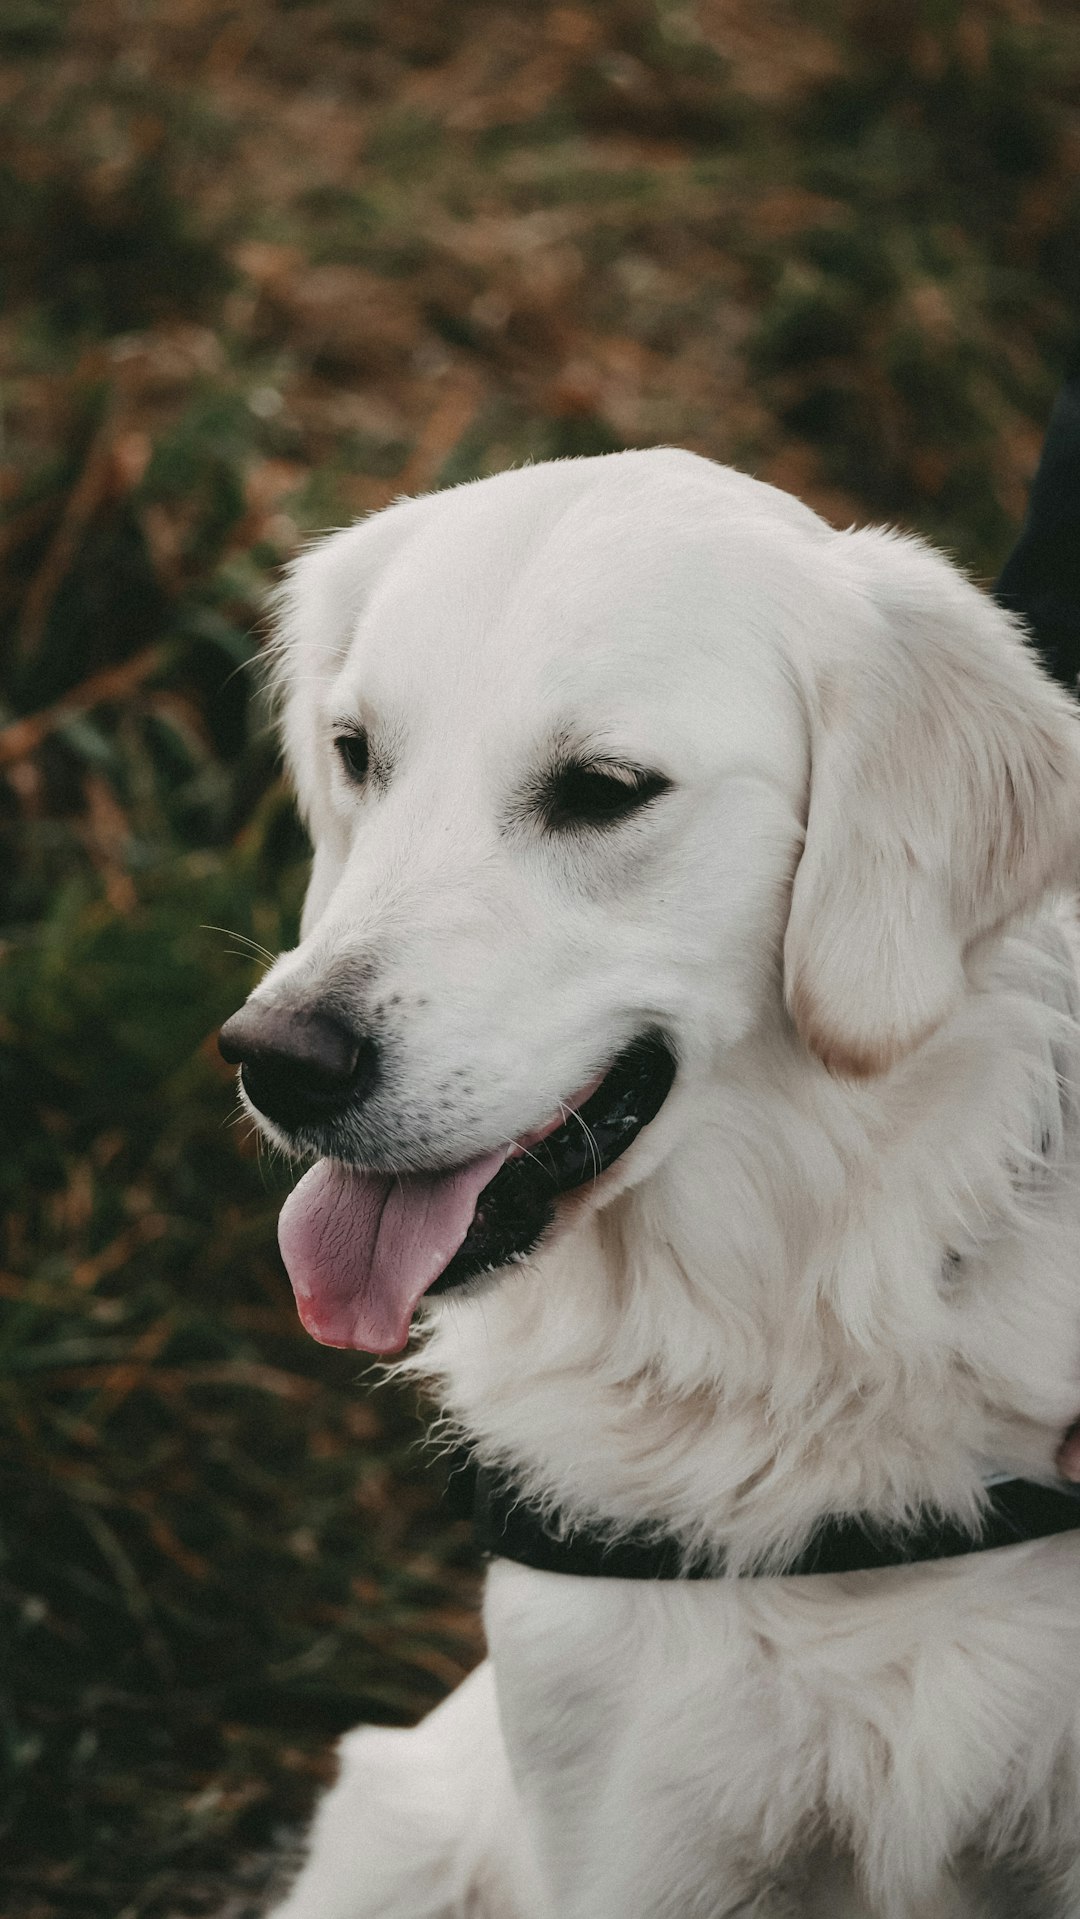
x: 577, y: 795
x: 352, y: 751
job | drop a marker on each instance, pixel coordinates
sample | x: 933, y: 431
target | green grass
x: 202, y: 1569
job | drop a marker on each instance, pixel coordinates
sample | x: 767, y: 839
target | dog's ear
x: 314, y: 614
x: 314, y: 611
x: 944, y: 799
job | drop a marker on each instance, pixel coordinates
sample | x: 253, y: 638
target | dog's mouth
x: 363, y: 1248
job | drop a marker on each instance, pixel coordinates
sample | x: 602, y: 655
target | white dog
x: 637, y: 789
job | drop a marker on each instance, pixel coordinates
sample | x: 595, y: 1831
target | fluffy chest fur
x: 829, y: 1301
x: 878, y: 1300
x: 896, y: 1745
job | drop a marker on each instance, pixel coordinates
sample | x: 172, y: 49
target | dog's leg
x: 421, y: 1824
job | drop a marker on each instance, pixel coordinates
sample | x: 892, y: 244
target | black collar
x: 508, y: 1526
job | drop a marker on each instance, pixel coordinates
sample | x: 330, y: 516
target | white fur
x: 838, y: 1273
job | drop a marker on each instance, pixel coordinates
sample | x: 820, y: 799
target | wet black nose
x: 298, y: 1064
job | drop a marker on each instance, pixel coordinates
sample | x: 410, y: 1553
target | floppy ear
x: 944, y: 799
x: 315, y: 613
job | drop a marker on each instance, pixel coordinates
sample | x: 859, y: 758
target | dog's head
x: 563, y: 739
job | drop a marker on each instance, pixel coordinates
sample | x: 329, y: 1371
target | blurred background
x: 264, y: 266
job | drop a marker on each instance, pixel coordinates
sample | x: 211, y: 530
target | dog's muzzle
x: 299, y: 1066
x: 363, y: 1247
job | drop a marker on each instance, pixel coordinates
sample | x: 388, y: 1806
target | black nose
x: 298, y: 1064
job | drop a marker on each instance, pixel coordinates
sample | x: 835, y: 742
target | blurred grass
x: 262, y: 267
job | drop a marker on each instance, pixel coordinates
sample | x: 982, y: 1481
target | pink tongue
x: 361, y: 1249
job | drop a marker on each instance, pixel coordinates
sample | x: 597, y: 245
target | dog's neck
x: 791, y: 1315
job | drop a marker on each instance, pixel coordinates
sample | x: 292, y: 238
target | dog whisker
x: 254, y: 946
x: 597, y: 1157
